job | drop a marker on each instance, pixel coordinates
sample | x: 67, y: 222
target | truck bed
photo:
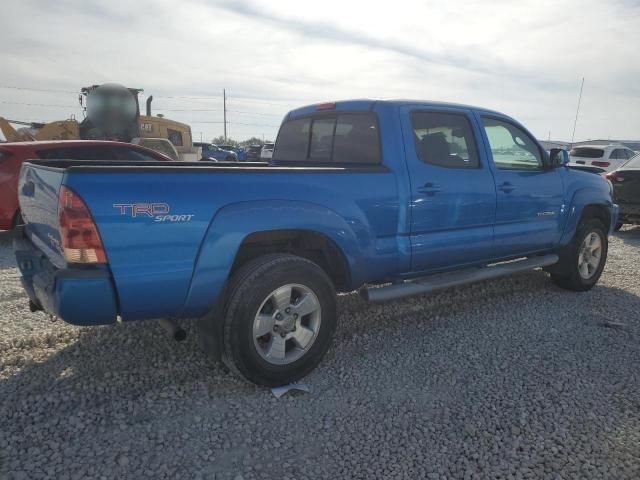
x: 200, y: 209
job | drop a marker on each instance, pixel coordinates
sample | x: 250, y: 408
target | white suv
x: 607, y: 157
x: 267, y: 151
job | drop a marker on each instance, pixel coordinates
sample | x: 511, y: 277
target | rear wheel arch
x: 312, y: 245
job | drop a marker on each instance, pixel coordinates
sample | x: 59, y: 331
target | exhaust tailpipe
x: 149, y: 100
x: 173, y: 329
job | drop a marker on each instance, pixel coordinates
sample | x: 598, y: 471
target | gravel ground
x: 508, y: 379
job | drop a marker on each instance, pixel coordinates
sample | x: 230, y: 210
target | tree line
x: 237, y: 144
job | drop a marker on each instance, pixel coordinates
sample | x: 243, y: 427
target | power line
x: 254, y: 100
x: 11, y: 87
x: 256, y: 113
x: 39, y: 104
x: 238, y: 123
x: 218, y: 110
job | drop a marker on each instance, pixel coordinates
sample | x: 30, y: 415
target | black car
x: 253, y: 153
x: 626, y: 191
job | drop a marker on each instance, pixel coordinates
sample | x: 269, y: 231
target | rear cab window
x: 335, y: 139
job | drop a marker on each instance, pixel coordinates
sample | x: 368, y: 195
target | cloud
x: 525, y: 58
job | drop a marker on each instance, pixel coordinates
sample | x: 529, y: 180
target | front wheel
x: 279, y: 319
x: 585, y: 257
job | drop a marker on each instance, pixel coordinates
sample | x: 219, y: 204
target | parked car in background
x: 267, y: 151
x: 211, y: 151
x: 12, y: 155
x: 587, y: 168
x: 253, y: 153
x: 165, y: 147
x: 626, y: 191
x: 407, y: 197
x: 239, y: 151
x: 608, y: 157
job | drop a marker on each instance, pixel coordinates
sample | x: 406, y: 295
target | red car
x: 13, y: 154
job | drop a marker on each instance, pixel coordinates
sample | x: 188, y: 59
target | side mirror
x: 558, y: 157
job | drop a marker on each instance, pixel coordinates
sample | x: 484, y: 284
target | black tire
x: 569, y: 276
x: 618, y: 226
x: 17, y: 219
x: 249, y: 287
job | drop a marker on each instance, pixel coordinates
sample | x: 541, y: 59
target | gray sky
x: 524, y: 58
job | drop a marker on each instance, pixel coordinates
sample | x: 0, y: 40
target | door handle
x: 429, y: 189
x: 507, y: 187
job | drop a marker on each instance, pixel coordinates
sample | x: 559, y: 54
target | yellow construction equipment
x: 112, y: 112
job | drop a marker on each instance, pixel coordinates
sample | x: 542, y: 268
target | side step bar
x: 441, y: 281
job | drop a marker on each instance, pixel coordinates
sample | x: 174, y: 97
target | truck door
x: 530, y: 197
x: 453, y: 197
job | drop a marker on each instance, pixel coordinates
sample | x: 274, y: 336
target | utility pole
x: 224, y: 108
x: 575, y: 122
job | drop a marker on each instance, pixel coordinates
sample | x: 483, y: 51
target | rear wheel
x: 585, y: 258
x: 279, y: 319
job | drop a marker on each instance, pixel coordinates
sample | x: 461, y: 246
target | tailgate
x: 38, y: 196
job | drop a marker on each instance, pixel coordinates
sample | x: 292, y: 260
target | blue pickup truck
x: 395, y: 198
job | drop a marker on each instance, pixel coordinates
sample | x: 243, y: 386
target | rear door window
x: 341, y: 139
x: 444, y: 139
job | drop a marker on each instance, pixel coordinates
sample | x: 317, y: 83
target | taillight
x: 600, y: 164
x: 80, y: 239
x: 614, y: 177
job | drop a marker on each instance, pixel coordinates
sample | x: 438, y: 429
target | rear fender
x: 235, y: 222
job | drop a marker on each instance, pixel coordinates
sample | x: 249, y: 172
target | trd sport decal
x: 160, y: 212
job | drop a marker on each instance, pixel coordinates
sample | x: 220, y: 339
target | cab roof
x: 368, y: 104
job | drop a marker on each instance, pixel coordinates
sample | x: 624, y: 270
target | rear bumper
x: 77, y: 296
